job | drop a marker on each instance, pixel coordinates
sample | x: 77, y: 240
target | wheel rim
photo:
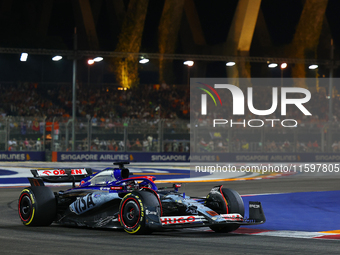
x: 25, y: 207
x: 130, y: 213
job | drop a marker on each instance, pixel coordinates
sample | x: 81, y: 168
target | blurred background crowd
x: 109, y: 109
x: 142, y: 102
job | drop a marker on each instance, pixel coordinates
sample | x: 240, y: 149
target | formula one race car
x: 113, y: 199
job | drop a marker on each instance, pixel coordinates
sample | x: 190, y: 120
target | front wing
x: 256, y: 217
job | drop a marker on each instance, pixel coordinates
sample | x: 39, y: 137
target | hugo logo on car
x: 178, y: 220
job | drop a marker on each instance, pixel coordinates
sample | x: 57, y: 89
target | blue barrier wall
x: 266, y: 157
x: 196, y: 157
x: 114, y: 156
x: 171, y: 157
x: 22, y: 156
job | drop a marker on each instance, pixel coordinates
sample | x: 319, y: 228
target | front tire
x: 132, y: 211
x: 223, y: 200
x: 37, y: 206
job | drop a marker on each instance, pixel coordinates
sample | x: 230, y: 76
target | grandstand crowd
x: 149, y: 101
x: 142, y: 102
x: 105, y: 104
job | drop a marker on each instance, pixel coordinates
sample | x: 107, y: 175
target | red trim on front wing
x: 232, y: 217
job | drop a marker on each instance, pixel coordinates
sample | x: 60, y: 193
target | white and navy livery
x: 112, y: 198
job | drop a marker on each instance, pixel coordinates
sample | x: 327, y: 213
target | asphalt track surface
x: 15, y: 238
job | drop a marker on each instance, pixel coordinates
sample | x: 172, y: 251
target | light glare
x: 97, y: 59
x: 188, y: 63
x: 272, y: 65
x: 57, y: 58
x: 312, y: 67
x: 23, y: 57
x: 144, y: 60
x: 230, y: 64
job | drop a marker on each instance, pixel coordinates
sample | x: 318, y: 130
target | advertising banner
x: 194, y: 157
x: 22, y: 156
x: 116, y: 156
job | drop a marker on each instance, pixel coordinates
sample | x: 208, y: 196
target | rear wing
x: 58, y: 175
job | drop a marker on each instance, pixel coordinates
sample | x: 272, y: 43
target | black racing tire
x: 37, y: 206
x: 132, y: 211
x: 226, y: 201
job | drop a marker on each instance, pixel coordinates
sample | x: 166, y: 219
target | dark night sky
x: 281, y: 17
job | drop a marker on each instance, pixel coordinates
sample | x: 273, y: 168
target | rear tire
x: 225, y: 201
x: 37, y: 206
